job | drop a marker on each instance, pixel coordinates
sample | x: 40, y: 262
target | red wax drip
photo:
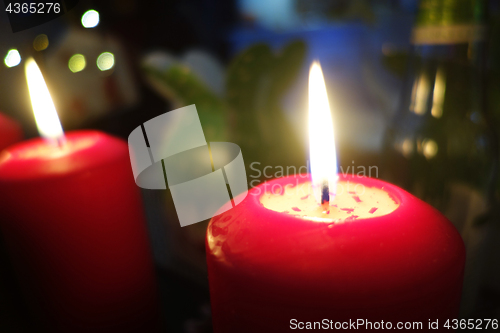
x: 296, y: 209
x: 373, y: 210
x: 355, y: 197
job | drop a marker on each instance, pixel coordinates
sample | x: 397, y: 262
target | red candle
x: 332, y: 253
x: 74, y: 225
x: 267, y: 268
x: 10, y: 131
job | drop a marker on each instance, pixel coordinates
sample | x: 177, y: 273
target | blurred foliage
x: 396, y: 63
x: 256, y: 81
x: 250, y: 113
x: 182, y: 86
x: 443, y: 13
x: 494, y: 68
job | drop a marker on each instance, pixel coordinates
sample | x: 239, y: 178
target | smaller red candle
x: 73, y: 222
x: 10, y: 131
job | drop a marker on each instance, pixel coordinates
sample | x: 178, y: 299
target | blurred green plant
x: 250, y: 112
x: 256, y: 81
x: 180, y: 85
x: 396, y: 62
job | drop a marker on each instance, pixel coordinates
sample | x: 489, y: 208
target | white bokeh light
x: 105, y: 61
x: 90, y: 19
x: 13, y: 58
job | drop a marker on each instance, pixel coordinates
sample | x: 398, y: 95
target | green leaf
x: 179, y: 84
x: 256, y: 81
x: 286, y: 67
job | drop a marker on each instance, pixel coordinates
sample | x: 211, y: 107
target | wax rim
x: 393, y: 191
x: 339, y: 211
x: 101, y: 149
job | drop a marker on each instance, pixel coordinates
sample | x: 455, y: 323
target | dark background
x: 351, y: 41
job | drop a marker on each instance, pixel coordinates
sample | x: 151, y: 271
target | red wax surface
x: 10, y: 131
x: 73, y: 222
x: 267, y: 268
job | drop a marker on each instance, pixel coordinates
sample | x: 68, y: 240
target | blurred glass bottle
x: 440, y: 146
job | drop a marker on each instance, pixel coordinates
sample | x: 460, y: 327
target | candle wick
x: 325, y: 194
x: 60, y: 141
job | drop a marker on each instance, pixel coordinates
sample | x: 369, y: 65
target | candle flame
x: 45, y: 112
x: 321, y: 138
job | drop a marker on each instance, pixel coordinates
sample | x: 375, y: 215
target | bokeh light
x: 430, y: 148
x: 77, y: 63
x: 13, y: 58
x: 407, y: 147
x: 90, y: 18
x: 41, y: 42
x: 105, y: 61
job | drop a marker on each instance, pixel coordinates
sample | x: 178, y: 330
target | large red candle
x: 331, y: 253
x: 271, y: 271
x: 10, y: 131
x: 73, y: 222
